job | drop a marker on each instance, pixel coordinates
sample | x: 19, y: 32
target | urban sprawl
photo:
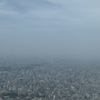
x: 49, y: 79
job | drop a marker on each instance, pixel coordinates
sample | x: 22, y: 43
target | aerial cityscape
x: 49, y: 79
x: 49, y: 49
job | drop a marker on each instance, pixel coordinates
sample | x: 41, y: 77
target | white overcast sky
x: 50, y: 27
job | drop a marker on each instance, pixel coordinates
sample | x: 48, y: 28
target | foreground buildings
x: 52, y: 79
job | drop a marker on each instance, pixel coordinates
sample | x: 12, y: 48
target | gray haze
x: 50, y: 28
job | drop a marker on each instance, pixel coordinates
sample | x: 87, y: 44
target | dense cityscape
x: 49, y: 79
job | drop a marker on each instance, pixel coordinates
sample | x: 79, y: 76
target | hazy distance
x: 50, y: 28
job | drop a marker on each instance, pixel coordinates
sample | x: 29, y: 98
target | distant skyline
x: 50, y: 27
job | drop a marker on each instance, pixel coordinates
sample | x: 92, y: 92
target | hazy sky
x: 50, y: 27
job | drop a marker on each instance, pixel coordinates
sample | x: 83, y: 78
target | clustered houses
x: 61, y: 79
